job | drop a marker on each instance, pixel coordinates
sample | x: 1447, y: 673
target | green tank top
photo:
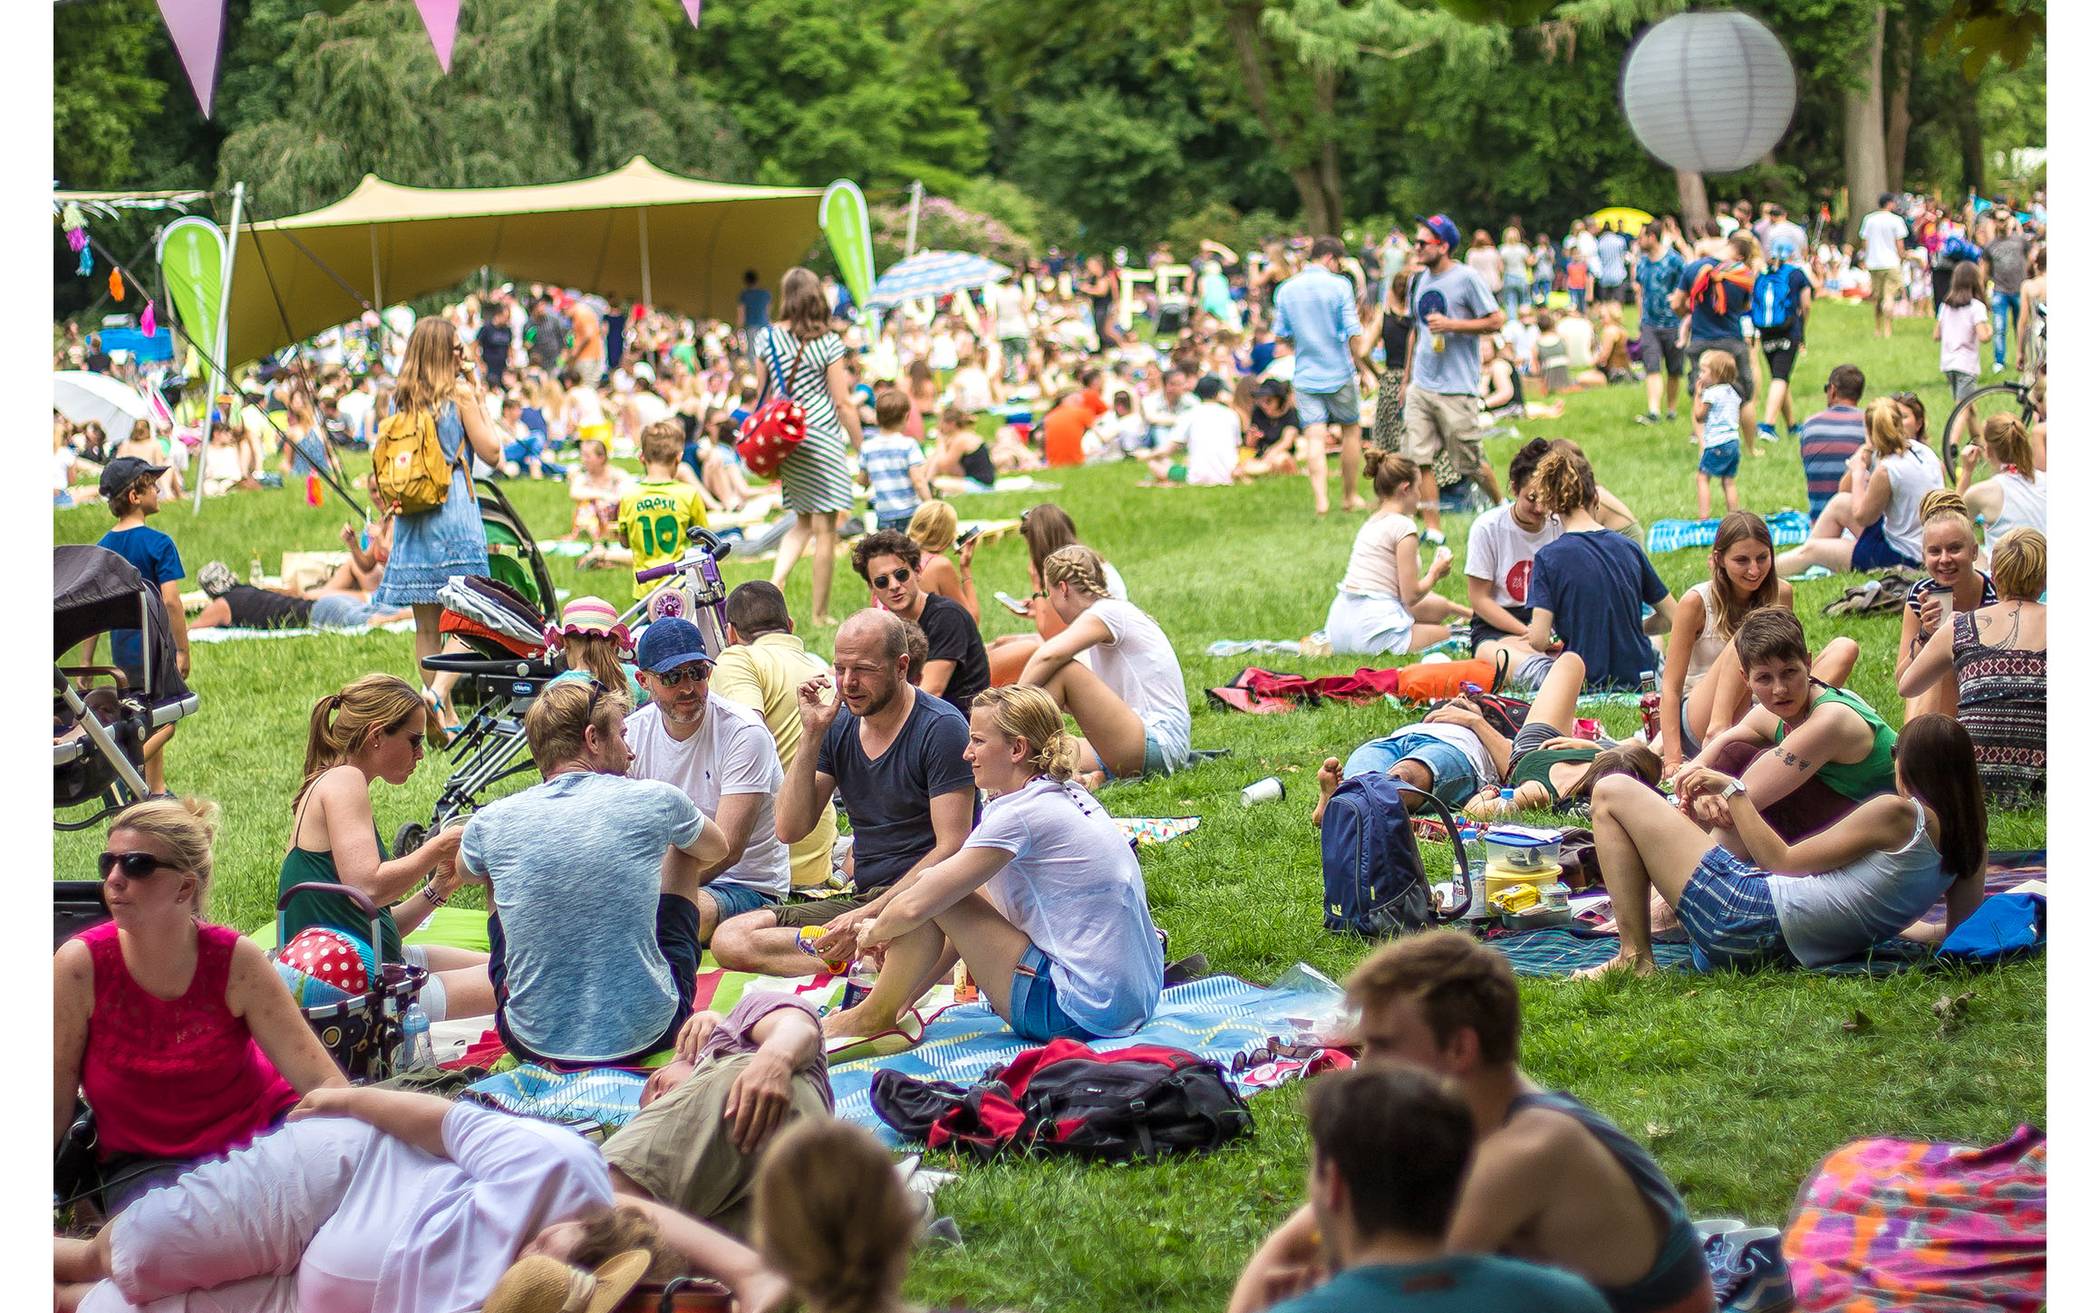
x: 1535, y: 765
x: 312, y: 908
x: 1872, y: 774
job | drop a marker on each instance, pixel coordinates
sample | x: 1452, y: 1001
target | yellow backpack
x: 409, y: 465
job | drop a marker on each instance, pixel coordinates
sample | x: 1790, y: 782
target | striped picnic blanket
x: 1789, y: 529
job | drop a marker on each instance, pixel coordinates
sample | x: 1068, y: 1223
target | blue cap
x: 1445, y: 230
x: 669, y: 643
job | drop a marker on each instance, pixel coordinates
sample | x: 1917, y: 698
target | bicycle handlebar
x: 706, y: 546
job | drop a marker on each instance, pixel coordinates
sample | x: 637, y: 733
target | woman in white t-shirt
x: 1044, y: 902
x: 1131, y: 705
x: 1385, y: 603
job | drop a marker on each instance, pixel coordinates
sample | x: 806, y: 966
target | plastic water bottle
x: 860, y: 982
x: 1651, y: 707
x: 416, y: 1051
x: 255, y: 574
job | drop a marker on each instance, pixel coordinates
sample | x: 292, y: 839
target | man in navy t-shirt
x: 1589, y: 587
x: 895, y: 756
x: 754, y: 310
x: 1716, y: 292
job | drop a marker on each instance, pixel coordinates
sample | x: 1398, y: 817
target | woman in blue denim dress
x: 432, y: 546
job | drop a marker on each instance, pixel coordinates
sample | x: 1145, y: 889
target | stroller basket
x: 363, y: 1033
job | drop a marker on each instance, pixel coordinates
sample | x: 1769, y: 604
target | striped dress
x: 2003, y: 701
x: 814, y: 476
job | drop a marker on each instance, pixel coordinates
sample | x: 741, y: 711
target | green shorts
x: 793, y: 915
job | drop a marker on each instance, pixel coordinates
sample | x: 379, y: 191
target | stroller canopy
x: 95, y: 591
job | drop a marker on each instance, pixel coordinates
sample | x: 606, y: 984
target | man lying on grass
x: 1390, y: 1148
x: 1044, y: 902
x: 1551, y: 1180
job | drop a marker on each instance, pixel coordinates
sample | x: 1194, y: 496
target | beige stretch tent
x: 636, y: 233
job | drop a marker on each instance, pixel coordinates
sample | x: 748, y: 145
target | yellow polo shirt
x: 763, y: 675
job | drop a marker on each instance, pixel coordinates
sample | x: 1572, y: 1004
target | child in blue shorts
x: 1719, y: 413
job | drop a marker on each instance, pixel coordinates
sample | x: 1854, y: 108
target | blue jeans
x: 1451, y: 775
x: 2003, y: 310
x: 1514, y: 293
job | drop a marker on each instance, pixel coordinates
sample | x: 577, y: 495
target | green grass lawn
x: 1739, y: 1084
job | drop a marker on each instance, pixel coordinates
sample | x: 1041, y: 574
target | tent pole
x: 372, y: 231
x: 218, y: 346
x: 642, y: 217
x: 911, y: 225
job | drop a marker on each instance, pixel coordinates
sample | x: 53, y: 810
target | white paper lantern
x: 1710, y: 92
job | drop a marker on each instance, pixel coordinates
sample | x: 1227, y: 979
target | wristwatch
x: 1729, y: 790
x: 436, y: 899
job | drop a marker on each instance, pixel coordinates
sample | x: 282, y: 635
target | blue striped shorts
x: 1728, y: 912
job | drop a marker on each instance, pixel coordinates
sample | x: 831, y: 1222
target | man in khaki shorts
x: 1451, y: 306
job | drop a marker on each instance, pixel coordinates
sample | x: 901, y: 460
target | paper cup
x: 1268, y: 790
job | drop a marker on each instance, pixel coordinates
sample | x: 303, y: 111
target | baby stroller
x: 514, y: 555
x: 363, y: 1033
x: 99, y: 730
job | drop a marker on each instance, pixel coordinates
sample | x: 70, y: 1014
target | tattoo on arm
x: 1790, y: 759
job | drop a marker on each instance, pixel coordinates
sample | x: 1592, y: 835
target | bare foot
x: 1093, y: 781
x: 822, y: 621
x: 1330, y: 780
x: 1643, y: 965
x: 856, y: 1022
x: 1352, y: 504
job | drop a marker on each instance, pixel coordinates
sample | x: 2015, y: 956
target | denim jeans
x: 2004, y: 317
x: 1514, y: 295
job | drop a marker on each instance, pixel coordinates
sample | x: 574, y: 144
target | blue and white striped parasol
x: 934, y: 273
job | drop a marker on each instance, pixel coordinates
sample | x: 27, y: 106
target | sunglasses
x: 135, y: 865
x: 886, y: 580
x: 695, y: 672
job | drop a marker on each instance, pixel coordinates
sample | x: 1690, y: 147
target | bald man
x: 895, y: 755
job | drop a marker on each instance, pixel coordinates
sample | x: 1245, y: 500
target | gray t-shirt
x: 1461, y: 294
x: 575, y: 867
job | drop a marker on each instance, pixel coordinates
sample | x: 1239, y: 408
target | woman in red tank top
x: 179, y: 1032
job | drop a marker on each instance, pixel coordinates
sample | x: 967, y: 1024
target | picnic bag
x: 408, y: 464
x: 1443, y: 679
x: 1772, y: 299
x: 1371, y: 870
x: 778, y: 426
x: 1143, y: 1101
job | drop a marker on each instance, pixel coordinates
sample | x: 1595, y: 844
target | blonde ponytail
x: 1028, y: 713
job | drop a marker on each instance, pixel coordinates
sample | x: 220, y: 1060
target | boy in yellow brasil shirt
x: 656, y: 512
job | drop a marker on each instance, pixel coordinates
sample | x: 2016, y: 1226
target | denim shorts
x: 1451, y: 774
x: 1721, y: 460
x: 1727, y: 911
x: 1872, y: 550
x: 735, y: 899
x: 1341, y: 406
x: 341, y: 611
x: 1036, y: 1014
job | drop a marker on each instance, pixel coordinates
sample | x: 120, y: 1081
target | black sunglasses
x: 135, y: 865
x: 693, y: 672
x: 885, y: 580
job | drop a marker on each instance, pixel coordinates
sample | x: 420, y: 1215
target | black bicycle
x: 2010, y: 398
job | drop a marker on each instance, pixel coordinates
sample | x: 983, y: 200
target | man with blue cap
x: 718, y: 753
x: 1441, y: 413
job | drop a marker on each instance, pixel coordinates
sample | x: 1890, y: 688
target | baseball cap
x: 1272, y: 387
x: 669, y: 643
x: 1445, y: 230
x: 122, y: 473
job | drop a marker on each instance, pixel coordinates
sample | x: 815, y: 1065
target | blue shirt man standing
x: 1316, y: 312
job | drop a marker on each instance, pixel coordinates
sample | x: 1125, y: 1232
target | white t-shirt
x: 1959, y: 351
x: 1724, y: 410
x: 1883, y: 232
x: 1211, y: 433
x: 419, y: 1234
x: 1074, y: 889
x: 1912, y: 474
x: 1374, y: 570
x: 649, y: 408
x: 1500, y: 550
x: 1139, y: 666
x: 732, y: 752
x: 1465, y: 740
x: 1580, y: 339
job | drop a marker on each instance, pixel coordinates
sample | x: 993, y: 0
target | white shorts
x: 228, y: 1237
x: 432, y: 995
x: 1365, y: 625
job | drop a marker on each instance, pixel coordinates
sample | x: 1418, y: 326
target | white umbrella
x: 83, y: 396
x: 934, y: 273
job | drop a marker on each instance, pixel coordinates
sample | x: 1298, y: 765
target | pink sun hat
x: 592, y: 617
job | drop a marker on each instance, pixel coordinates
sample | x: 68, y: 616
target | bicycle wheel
x: 1965, y: 423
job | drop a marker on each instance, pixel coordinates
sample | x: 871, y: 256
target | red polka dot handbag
x: 777, y: 426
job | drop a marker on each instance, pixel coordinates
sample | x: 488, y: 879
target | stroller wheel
x: 409, y: 838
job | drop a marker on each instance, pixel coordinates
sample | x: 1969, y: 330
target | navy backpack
x: 1370, y: 866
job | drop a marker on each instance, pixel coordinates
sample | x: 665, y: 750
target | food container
x: 1536, y: 918
x: 1522, y: 848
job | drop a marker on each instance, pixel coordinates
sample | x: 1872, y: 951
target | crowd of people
x: 695, y: 788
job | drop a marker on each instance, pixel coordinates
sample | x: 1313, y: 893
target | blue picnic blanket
x: 1219, y: 1018
x: 1562, y: 951
x: 607, y: 1096
x: 1789, y: 529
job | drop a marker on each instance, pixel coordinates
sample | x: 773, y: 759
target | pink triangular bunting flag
x: 441, y: 20
x: 195, y: 26
x: 692, y: 11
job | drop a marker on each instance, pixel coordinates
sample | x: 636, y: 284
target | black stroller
x: 99, y: 729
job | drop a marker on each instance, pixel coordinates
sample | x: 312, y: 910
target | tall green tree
x: 104, y: 94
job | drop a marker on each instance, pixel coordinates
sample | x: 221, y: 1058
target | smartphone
x: 969, y: 534
x: 1018, y: 608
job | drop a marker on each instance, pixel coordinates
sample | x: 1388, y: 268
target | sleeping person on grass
x: 1044, y: 903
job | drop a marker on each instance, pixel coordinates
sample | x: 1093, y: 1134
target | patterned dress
x: 2003, y: 701
x: 814, y: 476
x: 432, y: 546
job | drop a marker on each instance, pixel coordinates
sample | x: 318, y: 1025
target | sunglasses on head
x: 886, y: 580
x: 135, y: 865
x: 693, y: 672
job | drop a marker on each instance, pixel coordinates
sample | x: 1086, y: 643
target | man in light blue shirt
x: 1316, y: 311
x: 1611, y: 265
x: 1452, y: 307
x: 594, y: 881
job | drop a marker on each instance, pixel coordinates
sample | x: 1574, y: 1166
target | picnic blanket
x: 1238, y: 1025
x: 231, y: 634
x: 1144, y: 830
x: 1789, y: 529
x: 1564, y: 950
x: 1925, y: 1227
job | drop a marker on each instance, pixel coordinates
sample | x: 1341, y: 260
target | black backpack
x: 1143, y: 1101
x: 1370, y: 867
